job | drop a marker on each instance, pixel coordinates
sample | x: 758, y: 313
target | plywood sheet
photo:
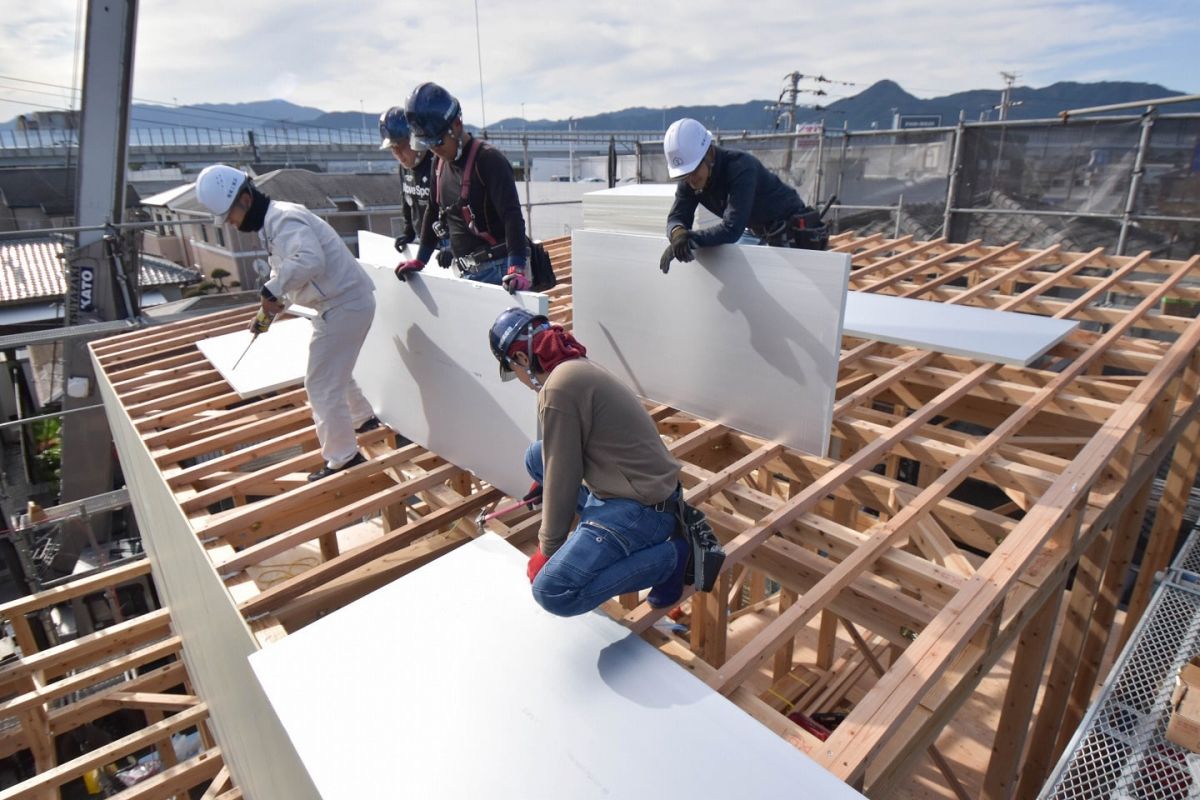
x: 277, y: 359
x: 745, y: 336
x: 428, y: 372
x: 561, y: 708
x: 1008, y: 337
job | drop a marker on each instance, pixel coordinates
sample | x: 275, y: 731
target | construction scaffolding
x: 968, y: 510
x: 1121, y: 749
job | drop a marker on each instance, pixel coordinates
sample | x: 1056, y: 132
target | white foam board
x: 745, y: 336
x: 278, y: 358
x: 388, y: 697
x: 1004, y: 336
x: 428, y: 372
x: 636, y: 208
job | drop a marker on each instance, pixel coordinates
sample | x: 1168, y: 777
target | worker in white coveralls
x: 310, y: 266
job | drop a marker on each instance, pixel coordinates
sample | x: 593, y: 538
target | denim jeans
x: 619, y: 546
x: 489, y: 271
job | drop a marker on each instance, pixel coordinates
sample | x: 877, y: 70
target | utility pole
x: 1006, y: 94
x: 788, y: 101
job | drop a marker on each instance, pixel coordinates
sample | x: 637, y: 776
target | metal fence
x: 1124, y: 183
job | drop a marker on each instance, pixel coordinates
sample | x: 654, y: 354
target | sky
x: 563, y: 58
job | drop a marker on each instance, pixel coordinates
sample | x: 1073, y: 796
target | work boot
x: 369, y: 425
x: 326, y: 471
x: 667, y: 593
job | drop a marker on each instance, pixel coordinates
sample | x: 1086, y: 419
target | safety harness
x: 462, y: 206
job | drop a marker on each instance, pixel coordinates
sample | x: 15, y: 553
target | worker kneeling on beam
x: 754, y: 205
x: 601, y: 457
x: 310, y: 266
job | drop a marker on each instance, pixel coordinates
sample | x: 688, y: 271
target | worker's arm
x: 743, y: 183
x: 496, y: 176
x: 407, y: 213
x: 301, y: 259
x: 562, y: 460
x: 683, y: 210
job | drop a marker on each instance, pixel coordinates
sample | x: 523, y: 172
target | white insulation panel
x: 574, y: 708
x: 428, y: 372
x: 745, y: 336
x: 1008, y: 337
x: 277, y: 359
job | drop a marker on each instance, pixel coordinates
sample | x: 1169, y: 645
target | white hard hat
x: 217, y: 187
x: 685, y: 144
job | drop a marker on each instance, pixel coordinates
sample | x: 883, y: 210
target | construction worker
x: 601, y: 457
x: 310, y: 266
x: 416, y: 171
x: 754, y: 205
x: 475, y: 201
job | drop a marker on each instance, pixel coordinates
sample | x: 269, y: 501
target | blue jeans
x: 619, y: 546
x: 749, y: 238
x: 489, y: 271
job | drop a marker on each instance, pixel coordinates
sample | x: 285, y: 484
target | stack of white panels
x: 636, y: 208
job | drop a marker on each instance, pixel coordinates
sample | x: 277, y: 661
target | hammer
x: 529, y: 501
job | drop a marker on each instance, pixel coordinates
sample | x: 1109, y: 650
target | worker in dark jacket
x: 416, y: 171
x: 483, y: 220
x: 754, y: 205
x: 600, y: 457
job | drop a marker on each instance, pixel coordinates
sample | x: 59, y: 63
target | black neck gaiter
x: 253, y: 219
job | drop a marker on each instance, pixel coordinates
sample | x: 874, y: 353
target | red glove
x: 536, y: 562
x: 406, y: 268
x: 515, y: 280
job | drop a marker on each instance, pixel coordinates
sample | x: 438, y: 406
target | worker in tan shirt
x: 601, y: 457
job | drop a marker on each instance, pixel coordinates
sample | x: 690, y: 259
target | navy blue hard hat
x: 512, y: 324
x: 393, y: 127
x: 430, y: 110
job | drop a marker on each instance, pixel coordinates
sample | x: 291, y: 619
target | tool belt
x: 804, y: 231
x: 470, y: 263
x: 706, y: 554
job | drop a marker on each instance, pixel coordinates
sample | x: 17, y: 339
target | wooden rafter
x: 957, y: 498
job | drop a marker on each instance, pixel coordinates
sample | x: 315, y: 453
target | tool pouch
x: 707, y: 555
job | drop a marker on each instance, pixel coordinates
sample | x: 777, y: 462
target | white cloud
x: 562, y: 60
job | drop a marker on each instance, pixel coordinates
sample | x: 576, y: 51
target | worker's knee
x: 557, y: 599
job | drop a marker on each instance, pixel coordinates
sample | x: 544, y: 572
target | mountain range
x: 873, y: 107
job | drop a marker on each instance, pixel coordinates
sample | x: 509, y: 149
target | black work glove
x: 664, y: 263
x: 533, y: 497
x: 402, y: 240
x: 681, y: 244
x: 445, y: 257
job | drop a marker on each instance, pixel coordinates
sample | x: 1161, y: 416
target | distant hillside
x: 874, y: 106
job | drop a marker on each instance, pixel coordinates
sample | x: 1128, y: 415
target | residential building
x: 186, y: 235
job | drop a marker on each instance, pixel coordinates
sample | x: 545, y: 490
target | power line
x: 178, y: 108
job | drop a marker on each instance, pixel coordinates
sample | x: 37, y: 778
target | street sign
x: 910, y: 121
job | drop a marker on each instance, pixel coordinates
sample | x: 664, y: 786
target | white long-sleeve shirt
x: 310, y: 264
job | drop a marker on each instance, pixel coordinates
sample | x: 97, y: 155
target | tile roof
x: 32, y: 269
x: 51, y: 189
